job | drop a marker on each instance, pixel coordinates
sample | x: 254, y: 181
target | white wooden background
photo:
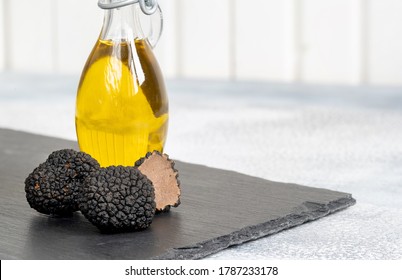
x: 312, y: 41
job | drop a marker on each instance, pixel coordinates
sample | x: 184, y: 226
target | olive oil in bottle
x: 121, y: 106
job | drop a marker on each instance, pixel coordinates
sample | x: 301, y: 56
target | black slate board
x: 219, y: 209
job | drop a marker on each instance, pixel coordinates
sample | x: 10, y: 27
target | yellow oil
x: 121, y: 106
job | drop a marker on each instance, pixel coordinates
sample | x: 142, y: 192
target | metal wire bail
x: 148, y: 7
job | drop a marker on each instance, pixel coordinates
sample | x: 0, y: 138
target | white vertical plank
x: 385, y: 42
x: 264, y: 40
x: 329, y: 44
x: 166, y: 50
x: 204, y: 39
x: 357, y: 42
x: 78, y: 26
x: 2, y: 46
x: 30, y: 34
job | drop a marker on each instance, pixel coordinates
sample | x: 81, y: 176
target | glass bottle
x: 122, y: 105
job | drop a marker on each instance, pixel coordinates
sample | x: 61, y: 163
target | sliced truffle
x: 117, y: 199
x: 53, y: 187
x: 160, y: 170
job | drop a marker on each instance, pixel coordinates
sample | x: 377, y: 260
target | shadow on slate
x: 219, y: 209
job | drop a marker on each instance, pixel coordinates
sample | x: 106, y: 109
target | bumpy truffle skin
x: 54, y: 186
x: 117, y: 199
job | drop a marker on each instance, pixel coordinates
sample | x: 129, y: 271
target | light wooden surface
x: 343, y: 138
x: 2, y: 46
x: 315, y: 41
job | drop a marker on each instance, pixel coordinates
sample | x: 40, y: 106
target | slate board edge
x: 308, y: 211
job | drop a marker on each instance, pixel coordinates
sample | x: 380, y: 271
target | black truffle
x: 159, y: 168
x: 117, y: 199
x: 54, y: 186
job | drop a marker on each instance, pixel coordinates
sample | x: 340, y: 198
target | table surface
x: 342, y: 138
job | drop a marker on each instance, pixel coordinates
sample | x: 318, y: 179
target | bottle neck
x: 122, y: 24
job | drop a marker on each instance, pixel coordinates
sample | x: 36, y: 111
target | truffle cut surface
x: 160, y: 170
